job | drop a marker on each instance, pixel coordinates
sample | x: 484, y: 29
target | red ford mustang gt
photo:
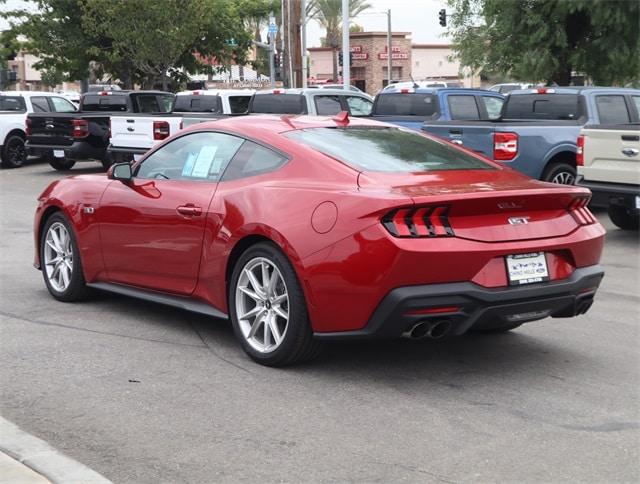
x: 302, y: 229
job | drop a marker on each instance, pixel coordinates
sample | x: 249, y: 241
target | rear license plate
x: 58, y: 153
x: 527, y: 268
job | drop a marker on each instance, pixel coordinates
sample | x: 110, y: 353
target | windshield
x: 383, y: 149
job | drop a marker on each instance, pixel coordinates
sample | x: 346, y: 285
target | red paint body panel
x: 179, y: 237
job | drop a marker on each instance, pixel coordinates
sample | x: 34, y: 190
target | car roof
x: 216, y: 92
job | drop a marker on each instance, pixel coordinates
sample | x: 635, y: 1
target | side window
x: 636, y: 101
x: 40, y: 104
x: 359, y: 106
x: 253, y: 159
x: 493, y: 106
x: 612, y: 110
x: 327, y: 105
x: 463, y: 107
x: 199, y: 156
x: 62, y: 105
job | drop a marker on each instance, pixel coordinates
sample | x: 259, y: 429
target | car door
x: 152, y: 229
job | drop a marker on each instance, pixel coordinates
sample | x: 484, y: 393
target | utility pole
x: 346, y: 49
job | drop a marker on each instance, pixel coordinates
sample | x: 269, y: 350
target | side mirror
x: 120, y: 171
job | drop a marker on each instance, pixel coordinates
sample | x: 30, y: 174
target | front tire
x: 60, y: 260
x: 13, y: 152
x: 268, y: 310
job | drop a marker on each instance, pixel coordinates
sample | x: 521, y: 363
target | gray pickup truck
x: 609, y: 165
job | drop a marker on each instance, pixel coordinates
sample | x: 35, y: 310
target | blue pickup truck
x: 410, y: 106
x: 538, y: 128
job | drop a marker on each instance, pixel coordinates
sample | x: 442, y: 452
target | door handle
x: 189, y: 210
x: 630, y: 152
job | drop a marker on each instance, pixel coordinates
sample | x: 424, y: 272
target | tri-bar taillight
x: 161, y: 130
x: 417, y: 222
x: 579, y: 211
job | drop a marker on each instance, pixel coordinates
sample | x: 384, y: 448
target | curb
x: 37, y: 456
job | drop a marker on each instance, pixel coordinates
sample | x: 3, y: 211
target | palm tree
x: 328, y: 13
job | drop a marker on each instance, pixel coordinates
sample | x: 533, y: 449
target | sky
x: 420, y: 17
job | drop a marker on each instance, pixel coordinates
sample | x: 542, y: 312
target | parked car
x: 412, y: 107
x: 301, y: 229
x: 310, y: 101
x: 510, y: 86
x: 537, y: 130
x: 15, y: 106
x: 334, y: 86
x: 71, y: 95
x: 609, y: 165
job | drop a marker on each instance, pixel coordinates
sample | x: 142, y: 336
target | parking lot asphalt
x: 25, y: 459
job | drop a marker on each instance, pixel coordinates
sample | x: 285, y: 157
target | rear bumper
x: 605, y: 194
x: 79, y: 150
x: 465, y: 305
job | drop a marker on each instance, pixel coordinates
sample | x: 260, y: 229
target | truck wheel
x: 623, y: 218
x: 107, y: 160
x: 562, y: 173
x: 13, y: 153
x: 61, y: 164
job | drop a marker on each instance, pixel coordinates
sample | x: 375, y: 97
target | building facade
x: 370, y: 62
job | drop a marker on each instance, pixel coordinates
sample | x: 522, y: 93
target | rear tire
x: 13, y: 152
x: 268, y: 310
x: 623, y: 218
x: 60, y: 260
x: 60, y: 164
x: 562, y: 173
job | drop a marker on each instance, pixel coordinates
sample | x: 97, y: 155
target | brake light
x: 580, y: 152
x: 27, y: 128
x: 505, y: 146
x: 160, y: 130
x: 276, y: 91
x: 545, y: 90
x: 418, y: 222
x: 404, y: 91
x: 80, y: 128
x: 579, y: 211
x: 105, y: 93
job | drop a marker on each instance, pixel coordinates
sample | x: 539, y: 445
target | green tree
x: 136, y: 41
x: 548, y: 40
x: 328, y: 13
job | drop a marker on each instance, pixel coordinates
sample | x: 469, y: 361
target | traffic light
x: 350, y: 58
x: 340, y: 59
x: 277, y: 60
x: 442, y: 16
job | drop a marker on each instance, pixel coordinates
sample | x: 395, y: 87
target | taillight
x: 579, y: 211
x: 27, y: 128
x: 160, y: 130
x: 505, y: 146
x: 80, y: 128
x: 418, y: 222
x: 580, y: 152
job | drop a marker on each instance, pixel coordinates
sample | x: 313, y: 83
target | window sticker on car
x: 199, y: 164
x: 527, y: 268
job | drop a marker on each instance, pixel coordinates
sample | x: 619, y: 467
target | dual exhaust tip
x: 428, y: 329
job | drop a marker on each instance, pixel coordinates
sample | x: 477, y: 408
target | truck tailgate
x: 614, y: 155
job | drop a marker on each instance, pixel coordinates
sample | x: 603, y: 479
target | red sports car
x: 302, y: 229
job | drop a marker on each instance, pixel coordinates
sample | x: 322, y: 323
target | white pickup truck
x: 132, y: 135
x: 14, y: 108
x: 608, y: 162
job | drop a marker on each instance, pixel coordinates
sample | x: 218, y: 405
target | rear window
x: 239, y: 104
x: 383, y: 149
x: 197, y: 103
x: 12, y: 103
x: 98, y: 102
x: 543, y: 106
x: 278, y: 104
x: 409, y: 104
x: 612, y: 109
